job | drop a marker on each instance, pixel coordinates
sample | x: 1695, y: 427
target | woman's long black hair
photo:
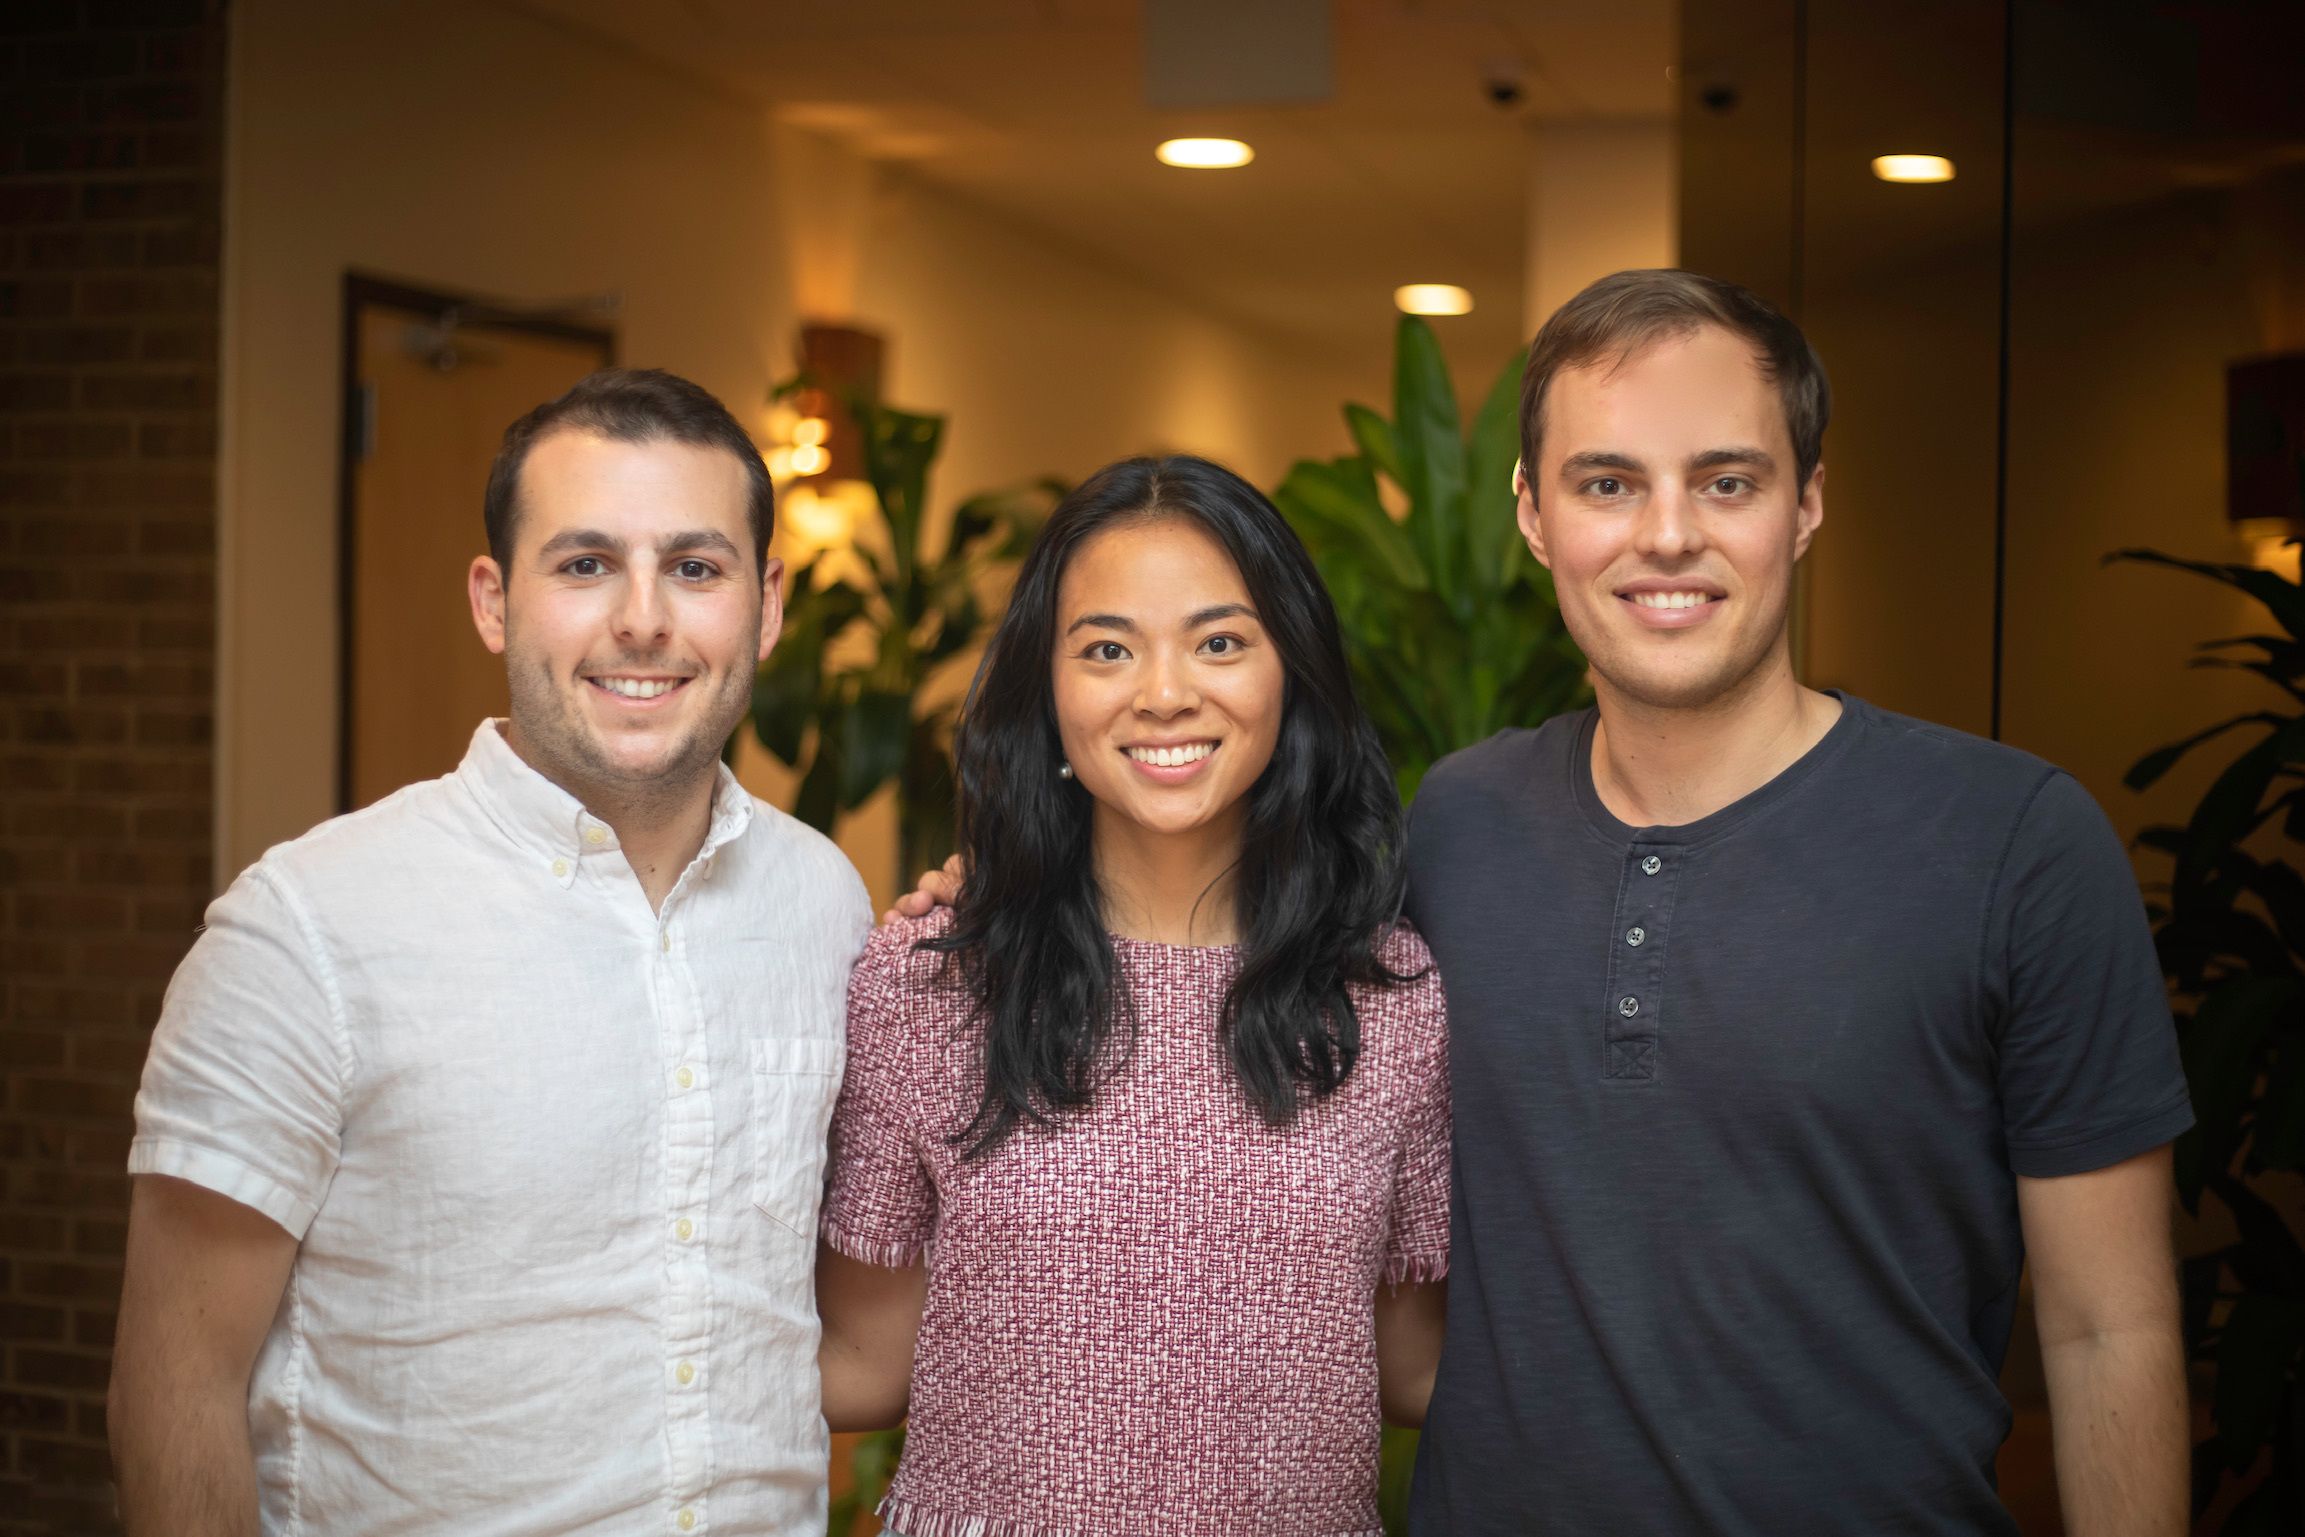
x: 1320, y: 874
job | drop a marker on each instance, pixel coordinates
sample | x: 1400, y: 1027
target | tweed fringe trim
x: 890, y: 1256
x: 909, y: 1520
x: 1414, y: 1269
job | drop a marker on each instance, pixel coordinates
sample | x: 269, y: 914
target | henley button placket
x: 1632, y: 1019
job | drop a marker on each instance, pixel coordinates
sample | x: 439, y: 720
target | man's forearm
x: 2117, y: 1408
x: 183, y: 1463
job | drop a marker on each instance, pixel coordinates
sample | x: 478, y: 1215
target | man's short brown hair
x: 629, y: 405
x: 1626, y: 311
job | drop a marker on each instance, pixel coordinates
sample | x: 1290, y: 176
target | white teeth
x: 1672, y: 599
x: 1171, y: 757
x: 638, y: 688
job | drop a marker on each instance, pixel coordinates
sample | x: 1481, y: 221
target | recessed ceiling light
x: 1432, y: 299
x: 1912, y: 168
x: 1205, y: 154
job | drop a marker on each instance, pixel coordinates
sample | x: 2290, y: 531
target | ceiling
x: 1035, y: 109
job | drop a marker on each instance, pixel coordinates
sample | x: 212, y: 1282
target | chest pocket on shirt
x: 793, y: 1084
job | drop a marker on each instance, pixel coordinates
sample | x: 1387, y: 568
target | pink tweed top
x: 1159, y: 1317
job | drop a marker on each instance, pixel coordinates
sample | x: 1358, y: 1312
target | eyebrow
x: 1209, y: 615
x: 1600, y: 459
x: 1715, y: 458
x: 1712, y: 458
x: 594, y: 539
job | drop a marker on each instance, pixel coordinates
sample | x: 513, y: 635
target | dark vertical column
x: 110, y: 167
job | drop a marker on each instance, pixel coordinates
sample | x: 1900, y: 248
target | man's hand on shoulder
x: 937, y: 888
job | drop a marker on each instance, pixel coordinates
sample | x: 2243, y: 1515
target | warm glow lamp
x: 1432, y: 299
x: 1913, y: 168
x: 1205, y: 154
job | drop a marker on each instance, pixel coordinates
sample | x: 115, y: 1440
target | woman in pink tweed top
x: 1139, y: 1199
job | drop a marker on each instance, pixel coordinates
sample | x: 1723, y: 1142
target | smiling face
x: 1668, y: 506
x: 1168, y: 691
x: 632, y: 616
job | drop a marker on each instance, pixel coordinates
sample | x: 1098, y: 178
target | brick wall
x: 110, y: 164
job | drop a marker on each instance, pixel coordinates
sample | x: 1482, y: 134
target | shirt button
x: 560, y: 869
x: 1636, y: 936
x: 1628, y: 1007
x: 595, y: 836
x: 668, y: 944
x: 686, y: 1077
x: 684, y: 1230
x: 1651, y: 865
x: 687, y: 1521
x: 686, y: 1374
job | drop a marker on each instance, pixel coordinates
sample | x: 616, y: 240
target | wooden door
x: 433, y: 391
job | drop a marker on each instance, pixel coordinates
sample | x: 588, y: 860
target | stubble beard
x: 1731, y: 678
x: 563, y: 746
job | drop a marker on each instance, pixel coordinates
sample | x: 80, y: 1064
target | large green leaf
x: 1494, y: 548
x: 874, y: 737
x: 1340, y: 497
x: 1426, y: 427
x: 1373, y: 435
x: 2148, y: 769
x: 2285, y: 599
x: 2220, y: 1050
x: 899, y: 446
x: 2232, y: 806
x: 789, y: 688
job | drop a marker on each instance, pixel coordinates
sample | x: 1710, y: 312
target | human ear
x: 1525, y: 513
x: 771, y: 605
x: 1811, y: 512
x: 484, y: 586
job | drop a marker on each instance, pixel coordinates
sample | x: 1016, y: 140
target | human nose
x: 1667, y: 527
x: 642, y: 617
x: 1167, y: 688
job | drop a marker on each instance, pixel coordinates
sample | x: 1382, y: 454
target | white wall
x: 1602, y: 198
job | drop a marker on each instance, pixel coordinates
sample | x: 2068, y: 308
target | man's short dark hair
x: 1626, y: 311
x: 630, y: 405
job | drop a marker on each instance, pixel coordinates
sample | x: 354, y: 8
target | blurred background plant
x: 844, y: 697
x: 2231, y: 932
x: 1451, y: 625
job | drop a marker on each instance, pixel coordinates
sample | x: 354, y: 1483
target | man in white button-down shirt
x: 481, y: 1141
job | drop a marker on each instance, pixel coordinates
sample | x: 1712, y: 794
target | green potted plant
x: 852, y: 718
x: 2230, y: 926
x: 1451, y: 626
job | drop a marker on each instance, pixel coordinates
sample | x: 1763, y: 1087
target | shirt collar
x: 551, y: 824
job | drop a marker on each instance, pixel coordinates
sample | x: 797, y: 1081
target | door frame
x: 363, y: 291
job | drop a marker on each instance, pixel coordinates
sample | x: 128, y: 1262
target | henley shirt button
x: 686, y: 1078
x: 595, y: 836
x: 560, y: 868
x: 668, y: 944
x: 1628, y: 1007
x: 687, y: 1521
x: 684, y: 1230
x: 1651, y: 865
x: 1636, y: 936
x: 686, y: 1374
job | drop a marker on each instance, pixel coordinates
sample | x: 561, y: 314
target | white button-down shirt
x: 555, y: 1159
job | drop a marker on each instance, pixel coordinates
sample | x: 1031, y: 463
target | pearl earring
x: 1064, y: 771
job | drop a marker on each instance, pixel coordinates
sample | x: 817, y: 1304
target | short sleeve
x: 1417, y: 1240
x: 2089, y: 1071
x: 243, y: 1091
x: 879, y: 1203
